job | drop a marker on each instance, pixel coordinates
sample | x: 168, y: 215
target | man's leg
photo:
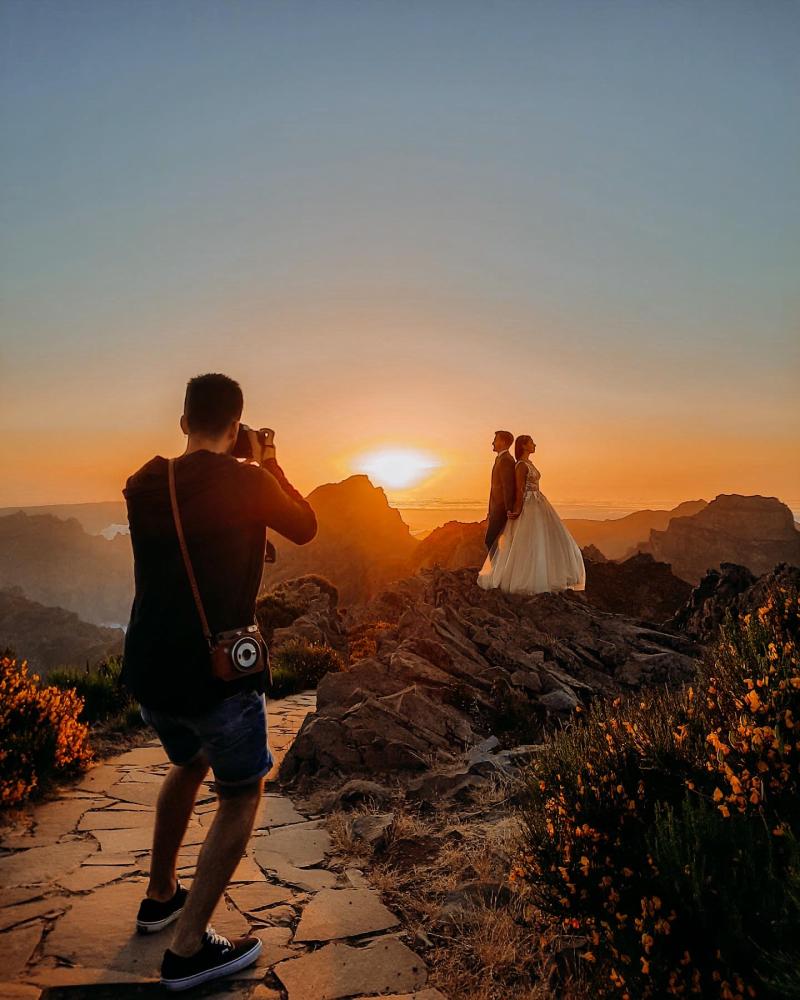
x: 173, y: 811
x: 221, y: 852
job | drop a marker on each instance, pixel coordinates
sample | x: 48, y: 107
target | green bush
x: 100, y: 688
x: 664, y: 827
x: 40, y: 735
x: 299, y: 665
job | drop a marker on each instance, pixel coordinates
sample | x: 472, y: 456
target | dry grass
x: 485, y: 951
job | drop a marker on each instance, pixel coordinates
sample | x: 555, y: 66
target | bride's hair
x: 523, y: 441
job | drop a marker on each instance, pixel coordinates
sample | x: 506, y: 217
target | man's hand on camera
x: 268, y: 449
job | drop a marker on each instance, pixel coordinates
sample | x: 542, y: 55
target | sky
x: 404, y: 225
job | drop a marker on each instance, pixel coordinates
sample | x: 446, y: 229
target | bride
x: 534, y: 553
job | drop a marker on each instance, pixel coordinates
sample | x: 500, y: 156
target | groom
x: 501, y: 494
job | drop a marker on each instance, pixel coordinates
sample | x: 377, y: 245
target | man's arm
x: 507, y: 478
x: 520, y: 472
x: 281, y: 506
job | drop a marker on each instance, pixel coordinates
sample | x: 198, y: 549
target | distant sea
x: 425, y: 515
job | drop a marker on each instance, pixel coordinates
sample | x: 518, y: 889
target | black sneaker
x: 153, y: 915
x: 218, y: 956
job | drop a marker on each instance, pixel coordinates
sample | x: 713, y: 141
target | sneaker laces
x: 212, y: 937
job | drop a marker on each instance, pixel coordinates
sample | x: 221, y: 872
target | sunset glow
x: 397, y: 468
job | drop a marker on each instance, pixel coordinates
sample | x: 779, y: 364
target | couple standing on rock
x: 530, y: 549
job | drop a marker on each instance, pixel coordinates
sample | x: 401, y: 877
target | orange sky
x: 605, y: 429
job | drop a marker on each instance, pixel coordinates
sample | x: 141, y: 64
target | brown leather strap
x: 185, y: 552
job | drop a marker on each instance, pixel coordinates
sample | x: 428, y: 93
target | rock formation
x: 57, y: 563
x: 756, y: 532
x: 305, y: 609
x: 618, y: 537
x: 639, y: 587
x: 730, y: 589
x: 52, y: 637
x: 454, y: 658
x: 454, y: 545
x: 361, y: 545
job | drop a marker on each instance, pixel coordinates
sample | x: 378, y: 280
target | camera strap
x: 187, y: 562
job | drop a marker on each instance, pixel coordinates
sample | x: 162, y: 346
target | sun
x: 397, y: 468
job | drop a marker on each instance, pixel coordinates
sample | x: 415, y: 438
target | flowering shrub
x: 40, y: 735
x: 664, y: 828
x: 365, y: 640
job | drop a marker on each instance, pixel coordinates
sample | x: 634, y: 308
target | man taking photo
x: 203, y: 721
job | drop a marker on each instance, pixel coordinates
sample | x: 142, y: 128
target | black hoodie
x: 226, y: 507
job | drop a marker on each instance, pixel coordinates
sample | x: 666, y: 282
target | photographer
x: 194, y: 658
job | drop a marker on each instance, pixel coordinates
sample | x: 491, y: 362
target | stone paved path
x: 73, y: 871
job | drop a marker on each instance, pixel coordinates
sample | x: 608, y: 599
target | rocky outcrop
x: 618, y: 537
x: 57, y: 563
x: 52, y: 637
x: 362, y: 543
x: 454, y: 660
x: 305, y: 609
x: 454, y: 545
x: 639, y: 587
x: 730, y: 590
x: 753, y: 531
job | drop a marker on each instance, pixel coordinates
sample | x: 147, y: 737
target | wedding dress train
x: 535, y: 553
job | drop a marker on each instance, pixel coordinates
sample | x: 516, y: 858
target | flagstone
x: 22, y: 894
x: 254, y: 896
x: 248, y: 871
x: 144, y: 793
x: 17, y: 947
x: 262, y: 992
x: 99, y: 778
x: 277, y: 810
x: 140, y: 838
x: 55, y: 976
x: 339, y: 970
x: 93, y: 876
x: 20, y: 991
x: 143, y: 757
x: 123, y: 859
x: 49, y: 906
x: 275, y: 945
x: 300, y: 847
x: 113, y: 908
x: 115, y: 819
x: 276, y: 916
x: 343, y: 913
x: 135, y: 774
x: 309, y: 879
x: 42, y: 864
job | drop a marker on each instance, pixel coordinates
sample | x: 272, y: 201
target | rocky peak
x: 362, y: 543
x: 753, y: 531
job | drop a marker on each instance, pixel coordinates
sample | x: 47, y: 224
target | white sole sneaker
x: 157, y: 925
x: 241, y: 961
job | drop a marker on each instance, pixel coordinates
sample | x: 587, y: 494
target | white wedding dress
x: 535, y: 553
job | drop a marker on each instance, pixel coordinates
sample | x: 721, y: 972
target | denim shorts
x: 233, y: 735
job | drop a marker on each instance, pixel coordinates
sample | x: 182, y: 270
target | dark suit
x: 501, y: 496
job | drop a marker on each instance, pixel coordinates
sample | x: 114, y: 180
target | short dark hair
x: 212, y: 401
x: 520, y: 443
x: 507, y: 437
